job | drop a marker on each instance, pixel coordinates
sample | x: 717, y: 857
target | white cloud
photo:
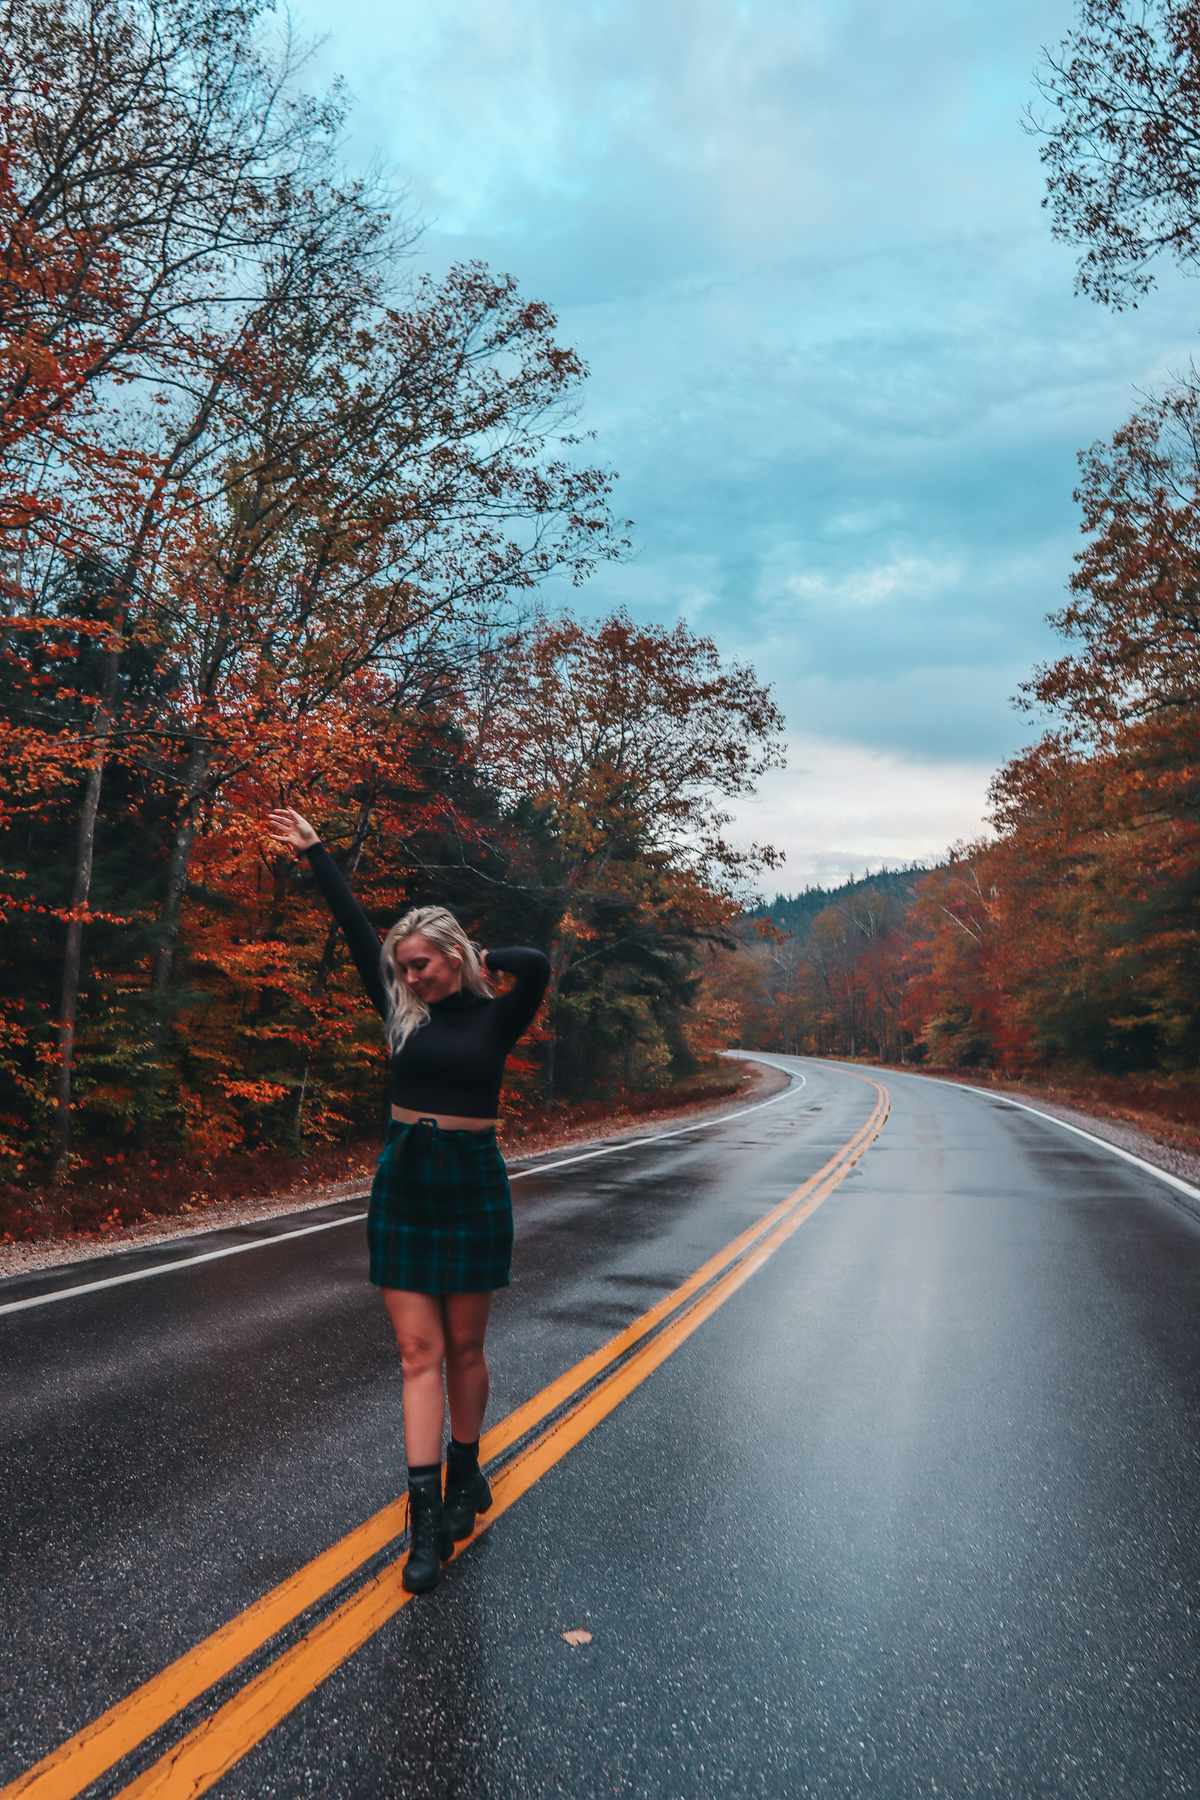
x: 839, y: 810
x: 911, y: 579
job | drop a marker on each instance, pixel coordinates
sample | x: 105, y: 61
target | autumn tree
x: 164, y: 188
x: 628, y: 738
x: 779, y: 1001
x: 1120, y: 97
x: 153, y: 155
x: 383, y: 493
x: 1124, y: 766
x: 950, y: 1000
x: 1135, y: 606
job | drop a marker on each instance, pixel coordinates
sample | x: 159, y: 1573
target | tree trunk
x: 549, y: 1058
x: 73, y: 952
x: 80, y: 895
x: 177, y: 874
x: 560, y: 957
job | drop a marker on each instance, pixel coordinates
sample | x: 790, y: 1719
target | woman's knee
x: 419, y: 1330
x: 464, y: 1352
x: 465, y: 1323
x: 421, y: 1352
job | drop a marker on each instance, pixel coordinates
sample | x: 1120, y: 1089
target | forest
x: 285, y: 522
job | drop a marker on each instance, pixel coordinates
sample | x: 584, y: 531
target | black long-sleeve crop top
x: 455, y: 1062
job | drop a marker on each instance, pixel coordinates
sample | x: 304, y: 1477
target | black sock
x: 419, y: 1473
x: 465, y: 1455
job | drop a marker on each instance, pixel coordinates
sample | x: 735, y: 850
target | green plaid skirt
x: 440, y: 1217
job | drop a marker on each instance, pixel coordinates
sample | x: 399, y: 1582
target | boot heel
x: 466, y: 1495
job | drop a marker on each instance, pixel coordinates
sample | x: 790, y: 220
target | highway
x: 860, y: 1432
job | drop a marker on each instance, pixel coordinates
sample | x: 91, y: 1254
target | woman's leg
x: 467, y: 1490
x: 465, y: 1326
x: 418, y: 1325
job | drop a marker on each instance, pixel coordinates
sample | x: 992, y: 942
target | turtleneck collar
x: 458, y: 1002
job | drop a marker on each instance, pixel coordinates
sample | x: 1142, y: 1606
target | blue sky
x: 835, y: 355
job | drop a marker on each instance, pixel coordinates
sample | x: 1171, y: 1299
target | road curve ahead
x: 859, y: 1433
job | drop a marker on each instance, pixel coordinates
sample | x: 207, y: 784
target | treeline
x: 796, y: 913
x: 821, y: 973
x: 1069, y: 941
x: 1071, y: 935
x: 274, y: 521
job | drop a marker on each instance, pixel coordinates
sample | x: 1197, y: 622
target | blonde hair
x: 404, y: 1011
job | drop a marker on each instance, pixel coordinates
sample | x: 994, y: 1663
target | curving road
x: 860, y: 1431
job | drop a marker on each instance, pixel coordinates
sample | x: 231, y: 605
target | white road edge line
x: 1175, y: 1181
x: 187, y: 1262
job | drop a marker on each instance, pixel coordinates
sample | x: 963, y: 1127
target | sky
x: 835, y: 355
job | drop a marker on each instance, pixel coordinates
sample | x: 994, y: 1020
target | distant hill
x: 794, y: 913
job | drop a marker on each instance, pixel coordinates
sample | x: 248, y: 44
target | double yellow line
x: 554, y: 1421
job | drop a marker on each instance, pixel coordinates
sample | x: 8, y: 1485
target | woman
x: 439, y: 1225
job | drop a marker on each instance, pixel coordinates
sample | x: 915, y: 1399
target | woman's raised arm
x: 292, y: 829
x: 532, y: 971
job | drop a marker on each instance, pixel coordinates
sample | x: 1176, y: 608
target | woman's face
x: 425, y: 970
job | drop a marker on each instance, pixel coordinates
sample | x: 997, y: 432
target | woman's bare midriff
x: 447, y: 1121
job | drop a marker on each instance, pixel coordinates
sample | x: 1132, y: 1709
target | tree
x: 1121, y: 149
x: 397, y: 492
x: 626, y: 738
x: 1102, y: 817
x: 1136, y: 586
x: 1120, y: 780
x: 162, y: 192
x: 952, y: 996
x: 155, y: 157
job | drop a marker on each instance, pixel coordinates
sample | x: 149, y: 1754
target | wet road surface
x: 906, y: 1504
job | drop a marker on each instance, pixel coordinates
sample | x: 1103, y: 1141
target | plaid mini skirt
x: 440, y: 1218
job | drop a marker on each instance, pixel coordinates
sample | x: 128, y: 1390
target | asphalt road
x: 897, y: 1497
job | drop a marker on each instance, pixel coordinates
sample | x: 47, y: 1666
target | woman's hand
x: 291, y: 830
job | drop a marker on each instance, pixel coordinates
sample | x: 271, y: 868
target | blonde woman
x: 439, y: 1225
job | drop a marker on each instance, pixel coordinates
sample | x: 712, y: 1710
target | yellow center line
x: 67, y: 1770
x: 212, y: 1748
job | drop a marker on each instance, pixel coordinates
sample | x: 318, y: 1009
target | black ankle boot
x: 467, y: 1493
x: 430, y: 1543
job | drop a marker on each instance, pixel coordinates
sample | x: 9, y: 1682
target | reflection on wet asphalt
x: 912, y: 1513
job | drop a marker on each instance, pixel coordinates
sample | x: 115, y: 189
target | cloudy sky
x: 835, y: 355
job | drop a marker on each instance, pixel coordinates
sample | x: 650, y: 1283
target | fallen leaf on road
x: 577, y: 1635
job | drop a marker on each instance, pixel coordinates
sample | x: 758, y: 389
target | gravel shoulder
x: 25, y: 1258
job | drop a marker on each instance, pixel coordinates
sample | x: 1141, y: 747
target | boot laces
x: 422, y: 1518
